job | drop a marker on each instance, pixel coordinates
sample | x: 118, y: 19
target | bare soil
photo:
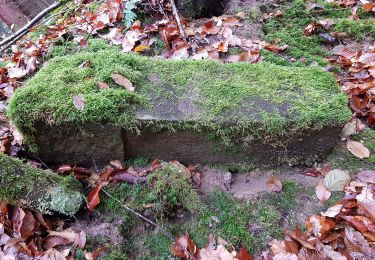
x: 250, y: 185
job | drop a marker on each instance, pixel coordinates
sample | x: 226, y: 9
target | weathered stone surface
x: 192, y: 111
x: 46, y: 191
x: 190, y: 148
x: 89, y: 144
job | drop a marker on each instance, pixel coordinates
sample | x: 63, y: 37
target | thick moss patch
x: 250, y: 101
x: 44, y: 190
x: 289, y: 28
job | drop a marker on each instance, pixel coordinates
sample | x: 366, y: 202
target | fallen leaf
x: 16, y: 73
x: 121, y: 175
x: 122, y: 81
x: 336, y: 180
x: 356, y: 242
x: 78, y: 102
x: 64, y: 169
x: 141, y: 48
x: 332, y: 254
x: 366, y: 176
x: 349, y: 129
x: 274, y: 184
x: 332, y: 211
x: 184, y: 247
x: 365, y: 195
x: 243, y: 254
x: 321, y: 192
x: 368, y: 7
x: 369, y: 208
x: 93, y: 198
x: 358, y: 149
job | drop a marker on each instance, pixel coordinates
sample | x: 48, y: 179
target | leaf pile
x: 185, y: 248
x: 359, y: 79
x: 27, y: 234
x: 344, y: 231
x: 206, y: 38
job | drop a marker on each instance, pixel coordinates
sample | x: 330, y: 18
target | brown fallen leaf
x: 184, y: 247
x: 322, y: 192
x: 244, y: 254
x: 274, y: 184
x: 122, y: 81
x: 93, y: 198
x: 358, y: 149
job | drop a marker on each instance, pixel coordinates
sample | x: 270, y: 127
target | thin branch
x: 177, y: 17
x: 166, y: 233
x: 21, y: 32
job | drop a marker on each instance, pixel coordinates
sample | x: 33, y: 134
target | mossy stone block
x: 193, y: 111
x: 46, y: 191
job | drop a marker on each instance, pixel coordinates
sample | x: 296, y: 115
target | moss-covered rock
x: 242, y: 108
x: 46, y: 191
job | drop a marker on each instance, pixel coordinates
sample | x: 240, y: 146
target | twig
x: 175, y: 13
x: 21, y: 32
x: 166, y: 233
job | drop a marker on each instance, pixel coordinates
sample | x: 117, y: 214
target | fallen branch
x: 7, y: 42
x: 177, y: 17
x: 166, y: 233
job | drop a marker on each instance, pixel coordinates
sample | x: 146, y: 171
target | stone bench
x: 191, y: 111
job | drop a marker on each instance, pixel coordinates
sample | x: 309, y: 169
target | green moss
x: 43, y: 190
x: 221, y: 215
x: 114, y: 256
x: 335, y: 197
x: 167, y: 190
x: 367, y: 137
x: 171, y: 190
x: 260, y: 90
x: 358, y: 29
x: 289, y: 28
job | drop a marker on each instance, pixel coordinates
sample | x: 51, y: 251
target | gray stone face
x: 85, y: 145
x: 98, y: 144
x: 191, y: 148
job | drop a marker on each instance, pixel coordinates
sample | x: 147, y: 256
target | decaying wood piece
x: 24, y: 185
